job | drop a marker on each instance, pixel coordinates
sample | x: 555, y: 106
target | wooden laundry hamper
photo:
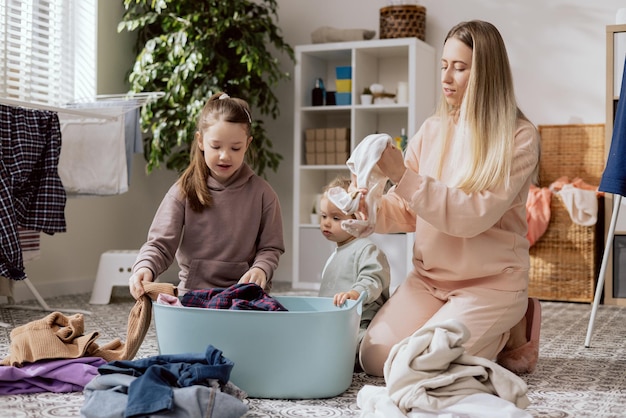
x: 564, y: 262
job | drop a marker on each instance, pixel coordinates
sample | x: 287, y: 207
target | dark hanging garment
x: 31, y: 193
x: 614, y: 176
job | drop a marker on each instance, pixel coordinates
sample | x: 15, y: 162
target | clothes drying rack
x: 617, y: 203
x: 75, y: 108
x: 135, y: 100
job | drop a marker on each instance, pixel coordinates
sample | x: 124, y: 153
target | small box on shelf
x: 343, y: 72
x: 326, y: 146
x: 341, y: 157
x: 342, y: 133
x: 343, y: 86
x: 341, y: 145
x: 343, y: 99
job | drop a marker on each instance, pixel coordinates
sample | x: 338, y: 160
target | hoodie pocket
x: 205, y: 274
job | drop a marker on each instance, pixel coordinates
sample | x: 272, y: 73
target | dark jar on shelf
x: 317, y: 93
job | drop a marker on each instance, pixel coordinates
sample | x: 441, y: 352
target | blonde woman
x: 462, y: 188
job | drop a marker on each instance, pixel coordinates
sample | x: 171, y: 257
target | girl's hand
x: 254, y: 275
x: 341, y: 297
x: 391, y: 163
x: 135, y: 283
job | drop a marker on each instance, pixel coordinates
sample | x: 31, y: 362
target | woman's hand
x: 135, y: 283
x: 254, y: 275
x: 391, y: 163
x: 361, y: 212
x: 341, y: 297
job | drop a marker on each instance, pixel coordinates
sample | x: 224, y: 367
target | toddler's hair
x: 339, y: 181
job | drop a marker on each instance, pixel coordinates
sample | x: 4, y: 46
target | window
x: 47, y: 50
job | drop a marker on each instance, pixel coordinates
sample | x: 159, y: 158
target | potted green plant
x: 366, y: 96
x: 315, y: 218
x: 190, y: 50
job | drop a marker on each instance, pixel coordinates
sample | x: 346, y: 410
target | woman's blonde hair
x: 488, y: 114
x: 194, y: 180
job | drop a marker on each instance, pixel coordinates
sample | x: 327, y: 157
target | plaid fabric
x: 241, y: 296
x: 29, y: 242
x: 31, y: 193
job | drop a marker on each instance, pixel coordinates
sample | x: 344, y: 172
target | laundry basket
x: 564, y: 262
x: 306, y: 352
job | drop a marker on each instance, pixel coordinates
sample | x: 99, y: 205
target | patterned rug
x: 570, y: 380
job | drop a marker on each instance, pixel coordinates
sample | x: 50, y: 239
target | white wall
x: 556, y: 47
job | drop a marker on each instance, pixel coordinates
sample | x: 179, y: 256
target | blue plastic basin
x: 307, y: 352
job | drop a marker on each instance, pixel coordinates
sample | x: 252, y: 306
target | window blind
x: 47, y: 50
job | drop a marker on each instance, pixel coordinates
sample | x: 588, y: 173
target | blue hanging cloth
x: 614, y: 176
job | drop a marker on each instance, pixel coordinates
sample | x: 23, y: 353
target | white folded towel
x: 581, y: 204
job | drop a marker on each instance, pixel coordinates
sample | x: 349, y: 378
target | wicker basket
x: 564, y: 262
x: 405, y: 21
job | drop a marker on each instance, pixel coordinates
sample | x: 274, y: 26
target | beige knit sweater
x: 57, y: 336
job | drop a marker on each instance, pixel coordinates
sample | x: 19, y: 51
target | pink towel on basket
x: 537, y: 212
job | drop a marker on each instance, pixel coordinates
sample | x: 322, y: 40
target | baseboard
x: 21, y: 292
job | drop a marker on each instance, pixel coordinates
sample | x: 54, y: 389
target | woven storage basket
x: 564, y: 262
x: 405, y: 21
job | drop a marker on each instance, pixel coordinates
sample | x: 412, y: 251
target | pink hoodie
x: 461, y: 236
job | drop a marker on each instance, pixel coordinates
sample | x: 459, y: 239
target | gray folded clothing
x: 328, y: 34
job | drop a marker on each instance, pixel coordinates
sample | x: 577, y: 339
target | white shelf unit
x: 387, y: 62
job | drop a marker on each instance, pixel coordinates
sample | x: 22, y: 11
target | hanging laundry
x: 93, y: 156
x: 31, y: 191
x: 131, y: 108
x: 29, y: 242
